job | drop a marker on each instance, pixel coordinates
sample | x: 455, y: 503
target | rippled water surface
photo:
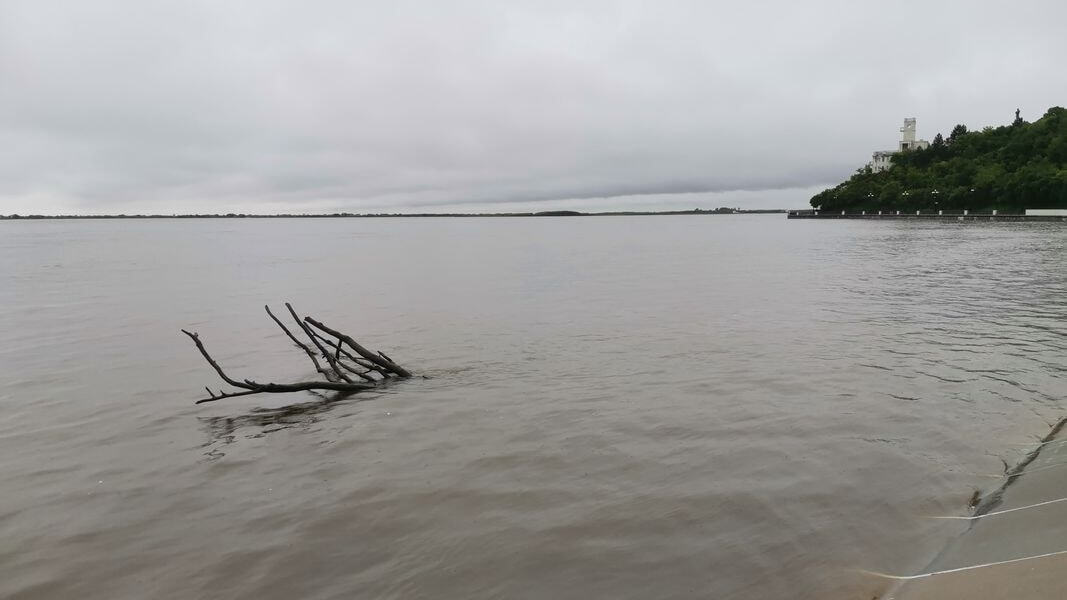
x: 667, y: 407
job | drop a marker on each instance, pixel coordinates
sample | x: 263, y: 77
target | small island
x: 1007, y: 169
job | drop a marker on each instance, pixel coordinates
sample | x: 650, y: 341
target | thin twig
x: 211, y: 361
x: 222, y: 395
x: 359, y: 361
x: 325, y: 354
x: 367, y: 354
x: 365, y: 375
x: 303, y: 386
x: 311, y: 354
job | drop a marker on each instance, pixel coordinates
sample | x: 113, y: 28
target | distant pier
x: 943, y: 215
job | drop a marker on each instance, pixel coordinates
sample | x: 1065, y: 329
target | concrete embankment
x: 1016, y: 546
x: 943, y: 216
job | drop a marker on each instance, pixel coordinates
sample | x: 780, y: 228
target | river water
x: 617, y: 407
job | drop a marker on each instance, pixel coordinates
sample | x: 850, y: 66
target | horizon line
x: 547, y: 213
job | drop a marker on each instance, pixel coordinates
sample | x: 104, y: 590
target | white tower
x: 907, y: 134
x: 882, y: 159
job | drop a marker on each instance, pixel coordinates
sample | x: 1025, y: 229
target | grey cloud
x: 263, y: 106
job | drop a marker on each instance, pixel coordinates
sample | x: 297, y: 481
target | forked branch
x: 336, y: 375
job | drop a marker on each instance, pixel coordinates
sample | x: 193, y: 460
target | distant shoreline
x: 550, y: 213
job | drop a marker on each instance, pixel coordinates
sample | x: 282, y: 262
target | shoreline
x: 1018, y: 552
x: 955, y: 216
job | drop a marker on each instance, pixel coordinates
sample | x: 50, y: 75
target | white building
x: 880, y: 160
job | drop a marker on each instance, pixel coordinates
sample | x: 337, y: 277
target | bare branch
x: 333, y: 365
x: 303, y: 386
x: 336, y: 379
x: 222, y: 395
x: 211, y: 361
x: 311, y: 354
x: 367, y: 354
x: 359, y: 361
x: 365, y: 375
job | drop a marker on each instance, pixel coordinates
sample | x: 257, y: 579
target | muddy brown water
x: 646, y: 407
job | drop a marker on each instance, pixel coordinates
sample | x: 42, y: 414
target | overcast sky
x: 323, y: 106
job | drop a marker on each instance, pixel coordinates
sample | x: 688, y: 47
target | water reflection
x: 258, y: 422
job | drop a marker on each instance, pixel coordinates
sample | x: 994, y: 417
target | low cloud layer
x: 324, y: 106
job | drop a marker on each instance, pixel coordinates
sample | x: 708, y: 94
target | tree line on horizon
x: 1008, y: 168
x: 722, y: 210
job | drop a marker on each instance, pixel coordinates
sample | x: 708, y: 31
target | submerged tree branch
x: 333, y: 364
x: 311, y: 354
x: 369, y: 366
x: 336, y: 379
x: 381, y: 360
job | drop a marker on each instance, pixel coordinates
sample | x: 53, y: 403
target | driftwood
x: 338, y: 367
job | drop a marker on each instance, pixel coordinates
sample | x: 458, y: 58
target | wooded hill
x: 1009, y: 168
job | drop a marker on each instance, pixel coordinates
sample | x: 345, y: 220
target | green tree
x: 1007, y: 167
